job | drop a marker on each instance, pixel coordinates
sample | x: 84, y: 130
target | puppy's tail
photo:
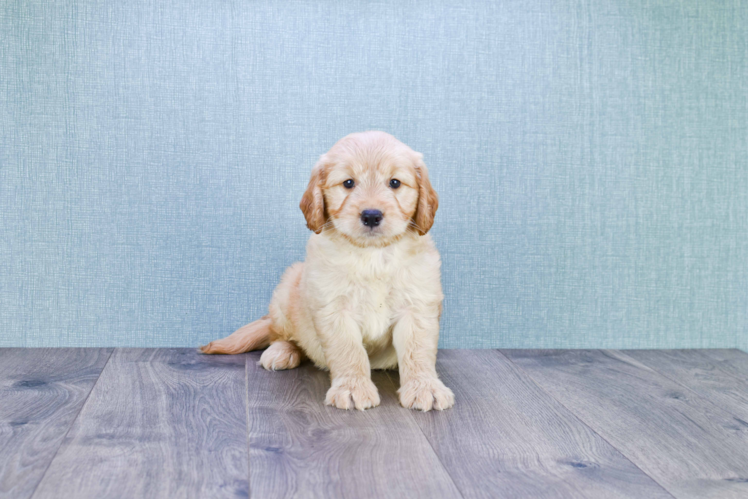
x: 251, y: 337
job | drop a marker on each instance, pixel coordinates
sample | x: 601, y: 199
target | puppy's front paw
x: 347, y: 393
x: 426, y: 393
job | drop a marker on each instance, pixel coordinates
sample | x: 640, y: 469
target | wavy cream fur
x: 364, y: 298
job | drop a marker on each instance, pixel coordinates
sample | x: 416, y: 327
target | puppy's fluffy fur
x: 367, y: 297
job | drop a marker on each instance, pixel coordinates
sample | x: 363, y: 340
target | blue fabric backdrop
x: 591, y: 157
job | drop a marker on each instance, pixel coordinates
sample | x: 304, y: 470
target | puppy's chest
x: 372, y: 309
x: 372, y: 297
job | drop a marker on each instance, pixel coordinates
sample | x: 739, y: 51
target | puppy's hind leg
x: 281, y: 355
x: 251, y: 337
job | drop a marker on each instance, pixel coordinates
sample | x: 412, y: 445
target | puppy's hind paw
x: 348, y: 393
x: 425, y: 394
x: 281, y: 355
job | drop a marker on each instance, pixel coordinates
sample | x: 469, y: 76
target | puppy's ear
x: 313, y: 202
x: 428, y: 200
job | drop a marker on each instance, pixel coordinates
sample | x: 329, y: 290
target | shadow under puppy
x: 368, y: 296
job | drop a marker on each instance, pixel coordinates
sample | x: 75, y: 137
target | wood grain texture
x: 41, y: 392
x: 159, y: 423
x: 506, y: 438
x: 685, y: 442
x: 702, y: 374
x: 301, y: 448
x: 732, y: 361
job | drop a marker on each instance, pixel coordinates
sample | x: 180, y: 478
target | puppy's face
x: 371, y: 188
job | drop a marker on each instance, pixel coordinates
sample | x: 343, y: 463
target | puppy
x: 368, y: 296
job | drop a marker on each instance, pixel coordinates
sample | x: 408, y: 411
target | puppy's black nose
x: 371, y: 218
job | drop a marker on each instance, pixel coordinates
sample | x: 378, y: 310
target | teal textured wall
x: 591, y: 157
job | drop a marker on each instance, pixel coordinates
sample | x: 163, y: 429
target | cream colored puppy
x: 369, y: 294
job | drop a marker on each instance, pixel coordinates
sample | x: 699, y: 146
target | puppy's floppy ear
x: 428, y: 200
x: 313, y: 202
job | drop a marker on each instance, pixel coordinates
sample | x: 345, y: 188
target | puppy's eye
x: 349, y: 184
x: 394, y: 183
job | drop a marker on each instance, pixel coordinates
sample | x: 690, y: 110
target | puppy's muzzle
x: 371, y: 218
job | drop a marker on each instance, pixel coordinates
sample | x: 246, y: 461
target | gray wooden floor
x: 173, y: 423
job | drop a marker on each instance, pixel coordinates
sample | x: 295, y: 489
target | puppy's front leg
x: 347, y: 359
x: 416, y: 338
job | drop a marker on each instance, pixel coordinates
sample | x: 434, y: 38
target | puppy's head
x: 371, y: 188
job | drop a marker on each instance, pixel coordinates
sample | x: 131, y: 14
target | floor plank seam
x: 246, y: 420
x: 677, y: 382
x: 696, y: 393
x: 72, y: 423
x: 431, y: 445
x: 592, y: 429
x: 717, y: 361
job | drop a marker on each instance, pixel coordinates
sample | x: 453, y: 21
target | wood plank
x: 732, y: 361
x: 702, y: 374
x: 41, y: 392
x: 301, y: 448
x: 506, y: 438
x: 160, y: 423
x: 683, y: 441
